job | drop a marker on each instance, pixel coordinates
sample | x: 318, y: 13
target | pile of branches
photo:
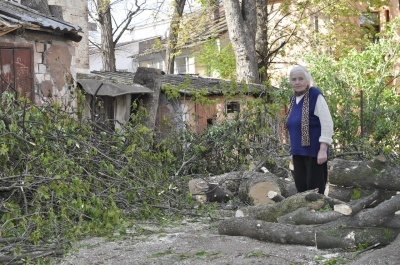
x: 63, y: 177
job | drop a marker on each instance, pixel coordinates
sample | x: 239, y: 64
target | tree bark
x: 351, y: 238
x: 331, y: 229
x: 173, y: 35
x: 307, y: 216
x: 374, y: 174
x: 204, y: 191
x: 309, y: 235
x: 386, y: 255
x: 107, y: 42
x: 268, y: 231
x: 242, y: 23
x: 338, y: 192
x: 271, y: 212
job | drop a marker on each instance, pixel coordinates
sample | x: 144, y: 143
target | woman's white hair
x: 307, y: 74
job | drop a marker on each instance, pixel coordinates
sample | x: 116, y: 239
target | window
x: 16, y: 70
x: 184, y: 65
x: 370, y: 25
x: 232, y: 107
x: 180, y: 65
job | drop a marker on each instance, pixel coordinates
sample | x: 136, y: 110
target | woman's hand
x: 322, y: 153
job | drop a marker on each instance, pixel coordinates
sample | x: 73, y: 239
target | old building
x: 38, y: 53
x: 116, y: 91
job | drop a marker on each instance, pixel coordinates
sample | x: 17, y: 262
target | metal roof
x: 104, y: 88
x: 14, y: 16
x: 214, y: 86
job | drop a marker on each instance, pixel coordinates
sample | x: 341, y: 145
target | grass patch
x: 160, y: 254
x: 256, y: 254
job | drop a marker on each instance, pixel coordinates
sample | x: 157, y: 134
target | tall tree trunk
x: 261, y: 40
x: 173, y: 35
x: 107, y: 43
x: 242, y: 25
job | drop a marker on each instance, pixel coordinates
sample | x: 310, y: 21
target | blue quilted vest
x: 294, y: 126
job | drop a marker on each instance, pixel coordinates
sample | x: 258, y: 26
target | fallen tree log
x: 303, y: 216
x: 204, y: 191
x: 387, y: 255
x: 254, y: 189
x: 307, y: 216
x: 368, y: 226
x: 351, y: 209
x: 268, y: 231
x: 249, y: 186
x: 271, y: 212
x: 350, y: 238
x: 309, y: 235
x: 370, y: 217
x: 229, y: 181
x: 275, y: 196
x: 338, y: 192
x: 374, y: 174
x: 394, y: 222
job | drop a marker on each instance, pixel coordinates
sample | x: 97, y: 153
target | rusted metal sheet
x: 16, y: 71
x: 7, y: 69
x: 206, y: 116
x: 23, y: 72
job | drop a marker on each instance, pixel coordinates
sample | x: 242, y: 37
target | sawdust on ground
x: 193, y: 242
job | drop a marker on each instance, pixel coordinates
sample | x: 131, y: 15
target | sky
x: 153, y: 11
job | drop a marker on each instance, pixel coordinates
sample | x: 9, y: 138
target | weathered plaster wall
x: 76, y: 12
x: 54, y: 69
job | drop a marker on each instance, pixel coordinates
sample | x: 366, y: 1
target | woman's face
x: 298, y: 81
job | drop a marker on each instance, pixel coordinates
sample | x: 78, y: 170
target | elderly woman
x: 310, y: 127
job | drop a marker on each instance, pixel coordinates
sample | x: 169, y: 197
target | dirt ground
x: 194, y: 242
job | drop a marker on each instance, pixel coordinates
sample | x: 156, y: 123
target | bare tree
x: 112, y: 27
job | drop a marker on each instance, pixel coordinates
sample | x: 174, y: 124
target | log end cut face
x: 259, y: 192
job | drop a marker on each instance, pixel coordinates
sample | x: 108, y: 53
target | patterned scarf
x: 305, y: 118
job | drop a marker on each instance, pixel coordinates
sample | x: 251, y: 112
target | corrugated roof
x: 187, y: 83
x: 14, y: 15
x: 105, y: 88
x: 212, y: 85
x: 112, y: 84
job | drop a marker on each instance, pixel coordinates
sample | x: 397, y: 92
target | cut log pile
x: 361, y: 207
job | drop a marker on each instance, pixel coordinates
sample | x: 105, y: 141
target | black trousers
x: 308, y: 174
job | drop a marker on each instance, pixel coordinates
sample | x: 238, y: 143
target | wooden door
x: 16, y: 71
